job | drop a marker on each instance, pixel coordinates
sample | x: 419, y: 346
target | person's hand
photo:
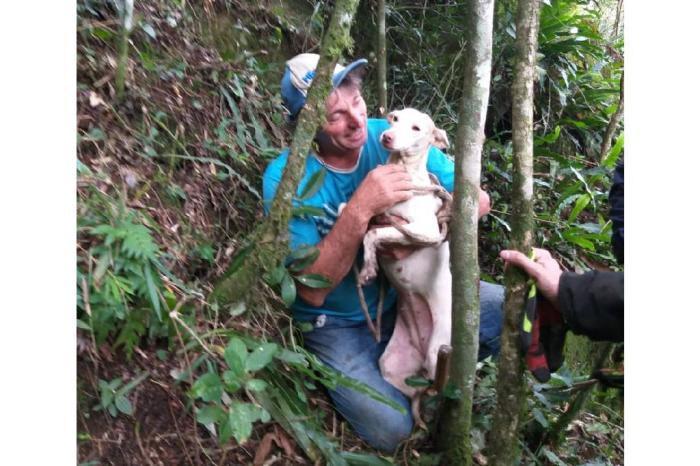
x: 484, y: 203
x: 383, y: 187
x: 544, y: 270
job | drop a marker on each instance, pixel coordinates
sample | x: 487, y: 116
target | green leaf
x: 539, y: 417
x: 313, y: 185
x: 148, y: 29
x: 208, y: 387
x: 83, y: 325
x: 581, y: 204
x: 288, y: 289
x: 552, y: 457
x: 101, y: 33
x: 232, y: 381
x: 240, y: 419
x: 210, y: 414
x: 573, y: 236
x: 256, y: 385
x: 291, y: 357
x: 124, y: 405
x: 261, y: 356
x: 236, y: 355
x: 364, y: 459
x: 275, y: 276
x: 152, y: 291
x: 614, y: 153
x: 239, y: 259
x: 133, y: 383
x: 417, y: 382
x: 313, y: 280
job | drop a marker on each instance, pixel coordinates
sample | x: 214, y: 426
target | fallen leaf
x: 264, y: 449
x: 96, y: 100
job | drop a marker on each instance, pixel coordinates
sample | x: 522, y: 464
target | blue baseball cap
x: 298, y: 74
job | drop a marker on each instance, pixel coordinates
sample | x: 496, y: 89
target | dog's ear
x: 440, y: 139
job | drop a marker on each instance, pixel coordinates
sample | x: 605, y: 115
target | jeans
x: 349, y: 347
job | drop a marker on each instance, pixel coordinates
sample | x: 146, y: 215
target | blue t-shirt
x: 338, y: 187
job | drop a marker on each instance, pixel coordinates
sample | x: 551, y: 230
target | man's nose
x: 355, y: 119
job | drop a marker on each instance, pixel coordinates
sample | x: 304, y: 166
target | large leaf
x: 210, y: 414
x: 289, y: 291
x: 313, y: 280
x: 240, y: 418
x: 152, y: 290
x: 123, y: 405
x: 261, y: 356
x: 236, y: 355
x: 208, y: 387
x: 581, y: 204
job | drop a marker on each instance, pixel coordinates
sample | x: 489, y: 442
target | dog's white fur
x: 423, y: 279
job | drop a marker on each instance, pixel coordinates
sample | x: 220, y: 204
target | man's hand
x: 544, y: 270
x: 484, y: 203
x: 383, y: 187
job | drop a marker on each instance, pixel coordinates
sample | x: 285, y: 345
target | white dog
x: 423, y: 279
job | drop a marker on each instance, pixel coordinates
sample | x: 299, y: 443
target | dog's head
x: 411, y: 133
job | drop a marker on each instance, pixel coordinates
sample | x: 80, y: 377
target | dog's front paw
x: 368, y: 274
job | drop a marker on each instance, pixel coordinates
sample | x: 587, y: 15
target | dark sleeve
x: 617, y: 212
x: 592, y: 304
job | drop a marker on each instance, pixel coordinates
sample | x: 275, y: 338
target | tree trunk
x: 127, y: 11
x: 510, y: 388
x: 612, y: 124
x: 271, y: 238
x: 381, y: 57
x: 455, y: 420
x: 555, y: 435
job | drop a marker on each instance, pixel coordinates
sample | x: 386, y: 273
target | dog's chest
x: 422, y: 207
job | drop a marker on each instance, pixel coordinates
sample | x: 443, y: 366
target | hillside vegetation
x: 169, y: 184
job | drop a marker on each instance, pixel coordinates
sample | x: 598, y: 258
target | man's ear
x: 440, y: 139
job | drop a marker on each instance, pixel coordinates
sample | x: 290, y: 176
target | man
x: 348, y: 148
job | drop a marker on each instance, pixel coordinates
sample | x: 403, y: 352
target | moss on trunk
x: 455, y: 424
x: 271, y: 238
x: 510, y: 388
x: 381, y: 57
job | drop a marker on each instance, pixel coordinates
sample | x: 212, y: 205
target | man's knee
x: 378, y: 424
x: 387, y: 430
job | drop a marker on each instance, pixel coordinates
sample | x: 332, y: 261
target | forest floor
x: 193, y: 90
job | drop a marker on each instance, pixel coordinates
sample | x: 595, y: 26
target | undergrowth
x: 168, y: 188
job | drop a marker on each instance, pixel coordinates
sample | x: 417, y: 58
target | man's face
x: 346, y: 126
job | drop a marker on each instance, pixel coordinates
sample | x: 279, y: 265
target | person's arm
x: 383, y: 187
x: 592, y: 304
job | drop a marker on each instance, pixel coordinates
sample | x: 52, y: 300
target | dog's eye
x: 415, y: 128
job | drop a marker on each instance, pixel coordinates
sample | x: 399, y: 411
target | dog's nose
x: 386, y: 138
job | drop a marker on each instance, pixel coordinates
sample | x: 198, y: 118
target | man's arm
x: 383, y: 187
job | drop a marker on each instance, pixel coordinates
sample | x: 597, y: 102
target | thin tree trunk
x: 556, y: 433
x: 381, y: 57
x: 455, y: 420
x: 618, y: 16
x: 510, y: 388
x: 271, y: 238
x: 123, y: 60
x: 612, y: 124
